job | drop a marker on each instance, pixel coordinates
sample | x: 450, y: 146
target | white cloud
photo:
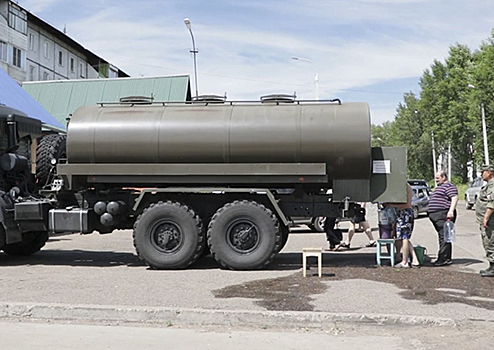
x: 245, y: 49
x: 36, y: 6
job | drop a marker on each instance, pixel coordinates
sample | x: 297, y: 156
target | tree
x: 447, y: 108
x: 411, y: 129
x: 482, y: 78
x: 381, y: 134
x: 445, y: 101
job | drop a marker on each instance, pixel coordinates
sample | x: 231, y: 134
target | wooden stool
x: 307, y: 252
x: 391, y: 255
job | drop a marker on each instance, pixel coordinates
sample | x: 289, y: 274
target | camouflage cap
x: 486, y: 167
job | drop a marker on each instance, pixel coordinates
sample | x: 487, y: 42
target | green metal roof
x: 62, y: 97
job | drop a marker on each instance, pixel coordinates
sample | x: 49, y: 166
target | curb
x: 203, y: 317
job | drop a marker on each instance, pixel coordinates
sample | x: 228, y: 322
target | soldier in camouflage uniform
x: 484, y: 207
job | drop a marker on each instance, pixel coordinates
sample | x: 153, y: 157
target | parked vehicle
x: 315, y: 223
x: 472, y: 192
x: 419, y: 182
x: 187, y: 177
x: 420, y: 200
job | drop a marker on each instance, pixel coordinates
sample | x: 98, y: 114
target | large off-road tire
x: 31, y: 243
x: 244, y: 235
x: 49, y: 147
x: 168, y: 235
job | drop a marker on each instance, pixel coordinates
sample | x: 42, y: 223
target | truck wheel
x: 468, y: 206
x: 50, y: 147
x: 31, y: 243
x: 168, y: 235
x: 317, y: 224
x: 244, y: 235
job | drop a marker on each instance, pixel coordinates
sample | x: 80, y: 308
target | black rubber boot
x: 489, y: 272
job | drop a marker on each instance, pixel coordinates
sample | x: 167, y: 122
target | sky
x: 361, y: 50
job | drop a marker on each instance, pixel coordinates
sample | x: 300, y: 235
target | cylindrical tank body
x: 335, y: 134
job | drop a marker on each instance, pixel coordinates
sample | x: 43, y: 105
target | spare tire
x: 50, y: 147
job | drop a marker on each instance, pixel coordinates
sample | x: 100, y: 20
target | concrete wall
x: 52, y: 59
x: 41, y: 53
x: 13, y: 39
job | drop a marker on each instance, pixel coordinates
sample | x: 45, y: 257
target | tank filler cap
x: 137, y: 99
x: 209, y: 99
x: 278, y: 98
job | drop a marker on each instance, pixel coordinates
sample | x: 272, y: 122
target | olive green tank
x: 312, y: 132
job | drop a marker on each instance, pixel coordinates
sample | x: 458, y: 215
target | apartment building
x: 33, y: 50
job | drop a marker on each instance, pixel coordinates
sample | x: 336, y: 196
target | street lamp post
x: 316, y: 76
x: 484, y: 135
x: 194, y: 52
x: 484, y: 129
x: 434, y: 162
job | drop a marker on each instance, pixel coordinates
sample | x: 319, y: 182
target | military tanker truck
x: 191, y: 178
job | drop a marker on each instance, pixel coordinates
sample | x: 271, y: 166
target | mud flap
x: 12, y: 232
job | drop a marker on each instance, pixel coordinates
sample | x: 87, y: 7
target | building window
x: 81, y: 70
x: 31, y: 42
x: 32, y: 73
x: 60, y: 58
x: 45, y: 75
x: 3, y: 51
x: 113, y: 72
x: 17, y: 18
x: 18, y: 57
x: 46, y: 49
x: 72, y: 65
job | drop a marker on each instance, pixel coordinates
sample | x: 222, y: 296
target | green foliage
x: 448, y: 109
x: 462, y: 188
x: 381, y: 135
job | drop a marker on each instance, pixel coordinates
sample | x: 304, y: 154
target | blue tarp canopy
x: 13, y: 95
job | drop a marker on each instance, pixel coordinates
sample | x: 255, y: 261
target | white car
x: 472, y: 192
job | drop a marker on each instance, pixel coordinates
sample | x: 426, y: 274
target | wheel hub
x: 243, y: 237
x: 167, y: 237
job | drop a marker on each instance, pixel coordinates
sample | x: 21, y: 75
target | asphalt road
x: 27, y: 336
x: 104, y: 270
x: 98, y: 279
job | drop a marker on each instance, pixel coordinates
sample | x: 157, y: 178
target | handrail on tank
x: 206, y: 103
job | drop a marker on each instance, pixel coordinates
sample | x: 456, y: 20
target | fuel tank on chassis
x: 335, y: 134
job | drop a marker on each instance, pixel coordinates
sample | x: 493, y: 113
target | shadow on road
x: 355, y: 257
x: 73, y: 258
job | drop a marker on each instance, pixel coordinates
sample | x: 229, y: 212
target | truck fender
x: 259, y: 191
